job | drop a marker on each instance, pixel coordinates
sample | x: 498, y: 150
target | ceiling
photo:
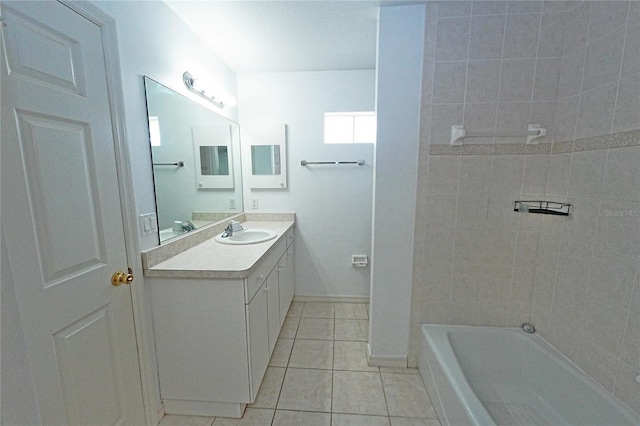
x: 285, y: 35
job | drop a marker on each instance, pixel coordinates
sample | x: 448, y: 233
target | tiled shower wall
x: 573, y: 67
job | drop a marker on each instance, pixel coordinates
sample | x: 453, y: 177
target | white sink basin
x: 248, y: 236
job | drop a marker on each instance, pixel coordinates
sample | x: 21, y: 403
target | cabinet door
x: 273, y: 308
x: 258, y: 339
x: 286, y: 282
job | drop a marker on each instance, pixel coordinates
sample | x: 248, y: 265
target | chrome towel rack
x: 305, y: 162
x: 178, y: 164
x: 533, y: 132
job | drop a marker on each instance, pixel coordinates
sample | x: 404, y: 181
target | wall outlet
x: 254, y: 203
x: 232, y: 203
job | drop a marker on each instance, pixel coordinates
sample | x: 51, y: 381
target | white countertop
x: 212, y: 259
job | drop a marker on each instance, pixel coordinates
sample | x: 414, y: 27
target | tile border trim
x: 615, y: 140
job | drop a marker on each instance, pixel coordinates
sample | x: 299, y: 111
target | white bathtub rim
x: 481, y: 417
x: 473, y: 408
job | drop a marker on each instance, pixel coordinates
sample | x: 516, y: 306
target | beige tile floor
x: 318, y: 375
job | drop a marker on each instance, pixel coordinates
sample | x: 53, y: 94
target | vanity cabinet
x: 215, y: 336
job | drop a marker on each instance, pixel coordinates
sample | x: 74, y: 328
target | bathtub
x: 504, y: 376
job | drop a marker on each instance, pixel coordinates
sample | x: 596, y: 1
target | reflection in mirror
x: 214, y: 160
x: 265, y: 159
x: 208, y: 147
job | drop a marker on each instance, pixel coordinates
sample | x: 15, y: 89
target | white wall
x: 399, y: 83
x: 153, y: 41
x: 332, y: 203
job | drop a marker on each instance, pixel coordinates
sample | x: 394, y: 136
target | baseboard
x: 385, y: 361
x: 331, y: 299
x: 204, y: 408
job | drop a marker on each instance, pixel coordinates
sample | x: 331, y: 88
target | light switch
x: 148, y: 223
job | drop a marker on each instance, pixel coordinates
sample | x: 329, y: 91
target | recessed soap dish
x: 542, y: 207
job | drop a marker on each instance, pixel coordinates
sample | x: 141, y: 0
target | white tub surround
x: 217, y: 313
x: 504, y: 376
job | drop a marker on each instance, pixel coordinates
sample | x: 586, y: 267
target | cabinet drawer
x: 265, y: 266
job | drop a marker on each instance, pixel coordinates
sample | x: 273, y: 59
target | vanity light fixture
x: 193, y: 85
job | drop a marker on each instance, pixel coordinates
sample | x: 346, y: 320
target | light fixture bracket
x: 189, y: 81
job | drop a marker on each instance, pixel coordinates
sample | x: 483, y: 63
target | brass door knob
x: 120, y: 278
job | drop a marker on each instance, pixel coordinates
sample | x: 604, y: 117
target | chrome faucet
x: 228, y: 231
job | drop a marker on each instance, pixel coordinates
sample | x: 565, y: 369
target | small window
x: 350, y: 127
x: 154, y: 131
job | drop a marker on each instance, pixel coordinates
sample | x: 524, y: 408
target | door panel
x: 62, y: 218
x: 49, y: 144
x: 88, y: 367
x: 39, y: 53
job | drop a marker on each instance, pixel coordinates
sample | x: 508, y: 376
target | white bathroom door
x: 62, y: 218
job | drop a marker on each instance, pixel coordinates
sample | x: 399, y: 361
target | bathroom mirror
x: 196, y: 161
x: 265, y: 160
x: 268, y: 156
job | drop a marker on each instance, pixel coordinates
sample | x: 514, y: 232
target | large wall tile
x: 564, y: 127
x: 489, y: 7
x: 521, y: 35
x: 475, y: 174
x: 487, y: 33
x: 587, y: 171
x: 595, y: 114
x: 558, y: 175
x: 535, y: 174
x: 449, y: 82
x: 577, y: 26
x: 483, y: 79
x: 443, y: 175
x: 552, y: 34
x: 603, y: 60
x: 582, y: 223
x: 480, y: 117
x: 631, y: 57
x: 627, y: 387
x: 454, y: 8
x: 622, y: 175
x: 612, y: 277
x: 471, y: 214
x: 635, y: 301
x: 440, y: 212
x: 506, y: 175
x: 547, y: 79
x: 619, y: 227
x: 516, y: 80
x: 571, y: 77
x: 605, y: 323
x: 627, y: 113
x: 443, y: 116
x: 631, y: 346
x: 606, y: 16
x: 452, y: 39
